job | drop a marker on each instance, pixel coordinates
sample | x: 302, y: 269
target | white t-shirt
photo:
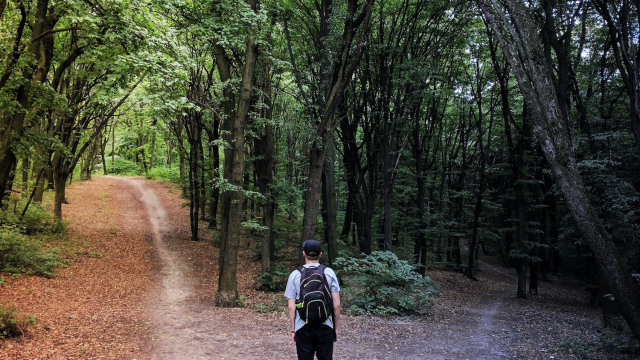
x: 293, y: 290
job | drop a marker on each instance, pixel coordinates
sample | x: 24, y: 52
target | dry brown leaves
x: 95, y: 308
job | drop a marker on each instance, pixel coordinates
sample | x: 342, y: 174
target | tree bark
x: 103, y: 144
x: 518, y: 38
x: 336, y: 80
x: 60, y: 185
x: 13, y: 126
x: 266, y: 175
x: 230, y: 238
x: 330, y: 205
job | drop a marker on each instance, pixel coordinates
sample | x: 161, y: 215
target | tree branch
x: 52, y: 31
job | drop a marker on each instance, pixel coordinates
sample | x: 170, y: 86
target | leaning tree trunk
x: 518, y: 37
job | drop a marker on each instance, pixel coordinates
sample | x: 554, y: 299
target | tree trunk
x: 266, y: 182
x: 152, y: 151
x: 12, y: 127
x: 518, y: 38
x: 201, y: 180
x: 215, y: 173
x: 330, y: 205
x: 25, y: 174
x: 103, y: 145
x: 348, y: 218
x: 230, y: 239
x: 313, y: 187
x: 181, y: 154
x: 113, y: 144
x: 420, y: 246
x: 334, y: 79
x: 60, y: 184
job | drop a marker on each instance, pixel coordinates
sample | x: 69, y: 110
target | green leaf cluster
x: 382, y: 284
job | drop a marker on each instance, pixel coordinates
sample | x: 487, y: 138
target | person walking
x: 313, y: 299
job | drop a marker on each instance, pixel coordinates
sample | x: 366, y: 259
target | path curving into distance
x: 184, y: 328
x: 178, y: 332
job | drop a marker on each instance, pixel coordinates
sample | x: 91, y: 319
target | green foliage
x: 164, y: 173
x: 288, y: 198
x: 276, y: 304
x: 580, y: 348
x: 242, y: 301
x: 11, y: 323
x: 36, y: 220
x: 609, y: 344
x: 274, y: 279
x: 123, y: 166
x: 383, y: 284
x: 21, y: 254
x: 253, y: 225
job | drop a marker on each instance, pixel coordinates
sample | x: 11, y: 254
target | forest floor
x: 138, y: 288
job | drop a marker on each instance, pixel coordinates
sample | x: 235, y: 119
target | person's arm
x: 292, y: 317
x: 336, y: 311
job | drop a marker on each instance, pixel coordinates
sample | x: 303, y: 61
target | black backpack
x: 315, y: 303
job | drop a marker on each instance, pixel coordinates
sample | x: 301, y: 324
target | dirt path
x: 165, y: 302
x: 192, y: 330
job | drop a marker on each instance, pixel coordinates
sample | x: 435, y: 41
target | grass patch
x: 165, y: 173
x: 20, y: 254
x: 608, y: 344
x: 12, y: 323
x: 113, y: 229
x: 122, y: 166
x: 276, y: 304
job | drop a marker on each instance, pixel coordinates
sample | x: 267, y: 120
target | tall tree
x: 518, y: 38
x: 334, y: 75
x: 232, y: 199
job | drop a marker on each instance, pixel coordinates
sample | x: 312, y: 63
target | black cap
x: 311, y: 248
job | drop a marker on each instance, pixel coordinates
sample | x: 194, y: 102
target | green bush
x: 11, y: 324
x: 36, y: 220
x: 274, y: 279
x: 20, y: 254
x: 165, y: 173
x: 383, y: 284
x: 276, y: 304
x: 288, y: 198
x: 123, y: 166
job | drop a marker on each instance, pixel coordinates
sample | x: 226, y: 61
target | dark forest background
x: 434, y: 130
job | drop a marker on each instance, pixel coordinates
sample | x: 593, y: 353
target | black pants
x: 316, y: 338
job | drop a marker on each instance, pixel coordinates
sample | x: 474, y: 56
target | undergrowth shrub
x: 274, y: 279
x: 255, y: 253
x: 609, y: 344
x: 21, y: 254
x: 122, y: 166
x: 36, y: 220
x: 13, y: 324
x: 276, y: 304
x: 165, y: 173
x: 288, y: 198
x: 382, y: 284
